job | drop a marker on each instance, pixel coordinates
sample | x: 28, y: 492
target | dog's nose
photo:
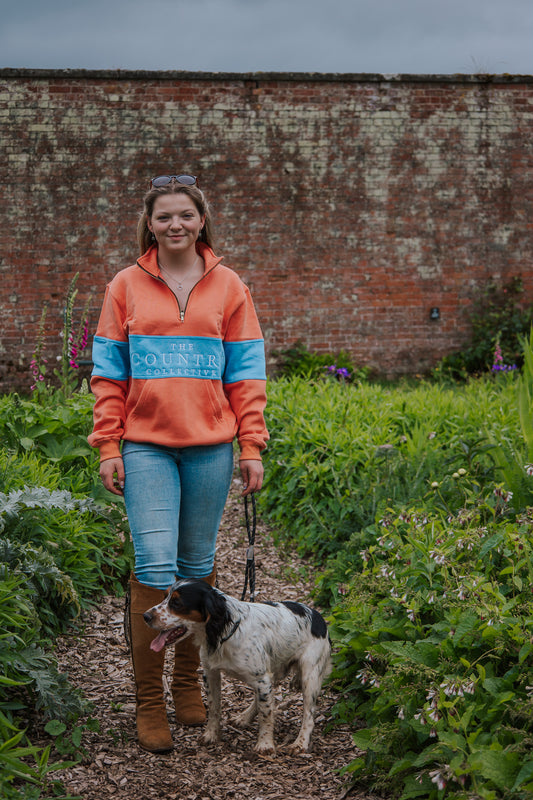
x: 147, y: 616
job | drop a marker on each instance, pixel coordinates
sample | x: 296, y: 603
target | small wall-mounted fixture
x: 434, y: 313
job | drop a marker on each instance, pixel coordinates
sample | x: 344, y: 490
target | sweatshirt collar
x: 148, y: 261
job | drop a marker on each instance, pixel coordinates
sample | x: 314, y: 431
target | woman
x: 178, y: 373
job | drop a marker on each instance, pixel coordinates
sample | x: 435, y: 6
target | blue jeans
x: 175, y: 499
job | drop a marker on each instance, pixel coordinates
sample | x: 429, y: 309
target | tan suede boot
x: 153, y: 732
x: 186, y: 691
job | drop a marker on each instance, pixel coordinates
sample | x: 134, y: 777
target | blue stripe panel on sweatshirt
x: 146, y: 357
x: 111, y: 359
x: 245, y: 361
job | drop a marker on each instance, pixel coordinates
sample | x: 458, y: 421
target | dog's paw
x: 298, y: 747
x: 265, y: 748
x: 209, y: 736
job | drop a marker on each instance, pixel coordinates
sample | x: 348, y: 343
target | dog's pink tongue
x: 159, y: 642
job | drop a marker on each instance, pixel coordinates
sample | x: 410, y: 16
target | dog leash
x: 249, y: 575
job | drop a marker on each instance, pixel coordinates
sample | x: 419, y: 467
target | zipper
x: 180, y: 309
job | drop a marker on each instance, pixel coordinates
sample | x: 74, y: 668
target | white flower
x: 438, y: 778
x: 362, y: 676
x: 448, y: 688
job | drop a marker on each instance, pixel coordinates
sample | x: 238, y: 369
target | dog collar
x: 232, y: 631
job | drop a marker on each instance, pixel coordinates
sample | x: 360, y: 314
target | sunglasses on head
x: 164, y: 180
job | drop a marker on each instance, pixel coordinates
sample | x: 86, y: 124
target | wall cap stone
x: 312, y: 77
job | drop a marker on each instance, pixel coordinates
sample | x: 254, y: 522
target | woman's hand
x: 252, y: 476
x: 112, y: 474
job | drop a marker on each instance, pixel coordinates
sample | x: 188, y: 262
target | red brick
x: 351, y: 205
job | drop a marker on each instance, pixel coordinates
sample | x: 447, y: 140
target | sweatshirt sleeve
x: 110, y: 377
x: 244, y: 377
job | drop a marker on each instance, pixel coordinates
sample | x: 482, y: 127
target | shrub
x: 298, y: 361
x: 415, y: 505
x: 339, y: 454
x: 61, y: 544
x: 435, y: 656
x: 499, y: 318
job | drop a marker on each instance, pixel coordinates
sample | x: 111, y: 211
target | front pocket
x: 214, y: 400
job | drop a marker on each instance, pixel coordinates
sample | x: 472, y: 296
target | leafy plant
x: 61, y: 543
x: 55, y: 429
x: 425, y: 554
x: 435, y: 655
x: 339, y: 454
x: 299, y: 361
x: 499, y: 318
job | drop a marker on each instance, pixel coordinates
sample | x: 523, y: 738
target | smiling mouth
x: 166, y: 638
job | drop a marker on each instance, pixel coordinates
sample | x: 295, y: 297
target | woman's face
x: 176, y: 224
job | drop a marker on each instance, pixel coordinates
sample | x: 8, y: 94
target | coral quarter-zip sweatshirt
x: 178, y: 376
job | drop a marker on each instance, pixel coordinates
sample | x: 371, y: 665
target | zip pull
x: 182, y: 315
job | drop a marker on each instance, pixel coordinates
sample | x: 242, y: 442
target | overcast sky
x: 384, y: 36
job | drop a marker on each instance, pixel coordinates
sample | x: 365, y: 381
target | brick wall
x: 351, y: 204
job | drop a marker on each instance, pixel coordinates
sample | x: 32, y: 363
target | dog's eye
x: 176, y: 602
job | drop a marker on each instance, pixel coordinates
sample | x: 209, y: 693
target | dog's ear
x: 218, y: 618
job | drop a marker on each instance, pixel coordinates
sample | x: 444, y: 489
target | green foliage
x: 525, y: 397
x: 75, y: 535
x: 513, y: 456
x: 498, y: 317
x: 61, y: 544
x: 55, y: 429
x: 298, y: 361
x: 340, y: 454
x: 416, y: 504
x: 435, y: 655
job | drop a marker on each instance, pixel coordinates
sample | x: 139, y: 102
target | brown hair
x: 144, y: 235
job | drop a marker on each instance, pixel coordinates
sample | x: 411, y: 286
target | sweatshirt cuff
x: 250, y: 452
x: 110, y: 449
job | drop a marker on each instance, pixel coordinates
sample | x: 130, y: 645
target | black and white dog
x: 258, y: 643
